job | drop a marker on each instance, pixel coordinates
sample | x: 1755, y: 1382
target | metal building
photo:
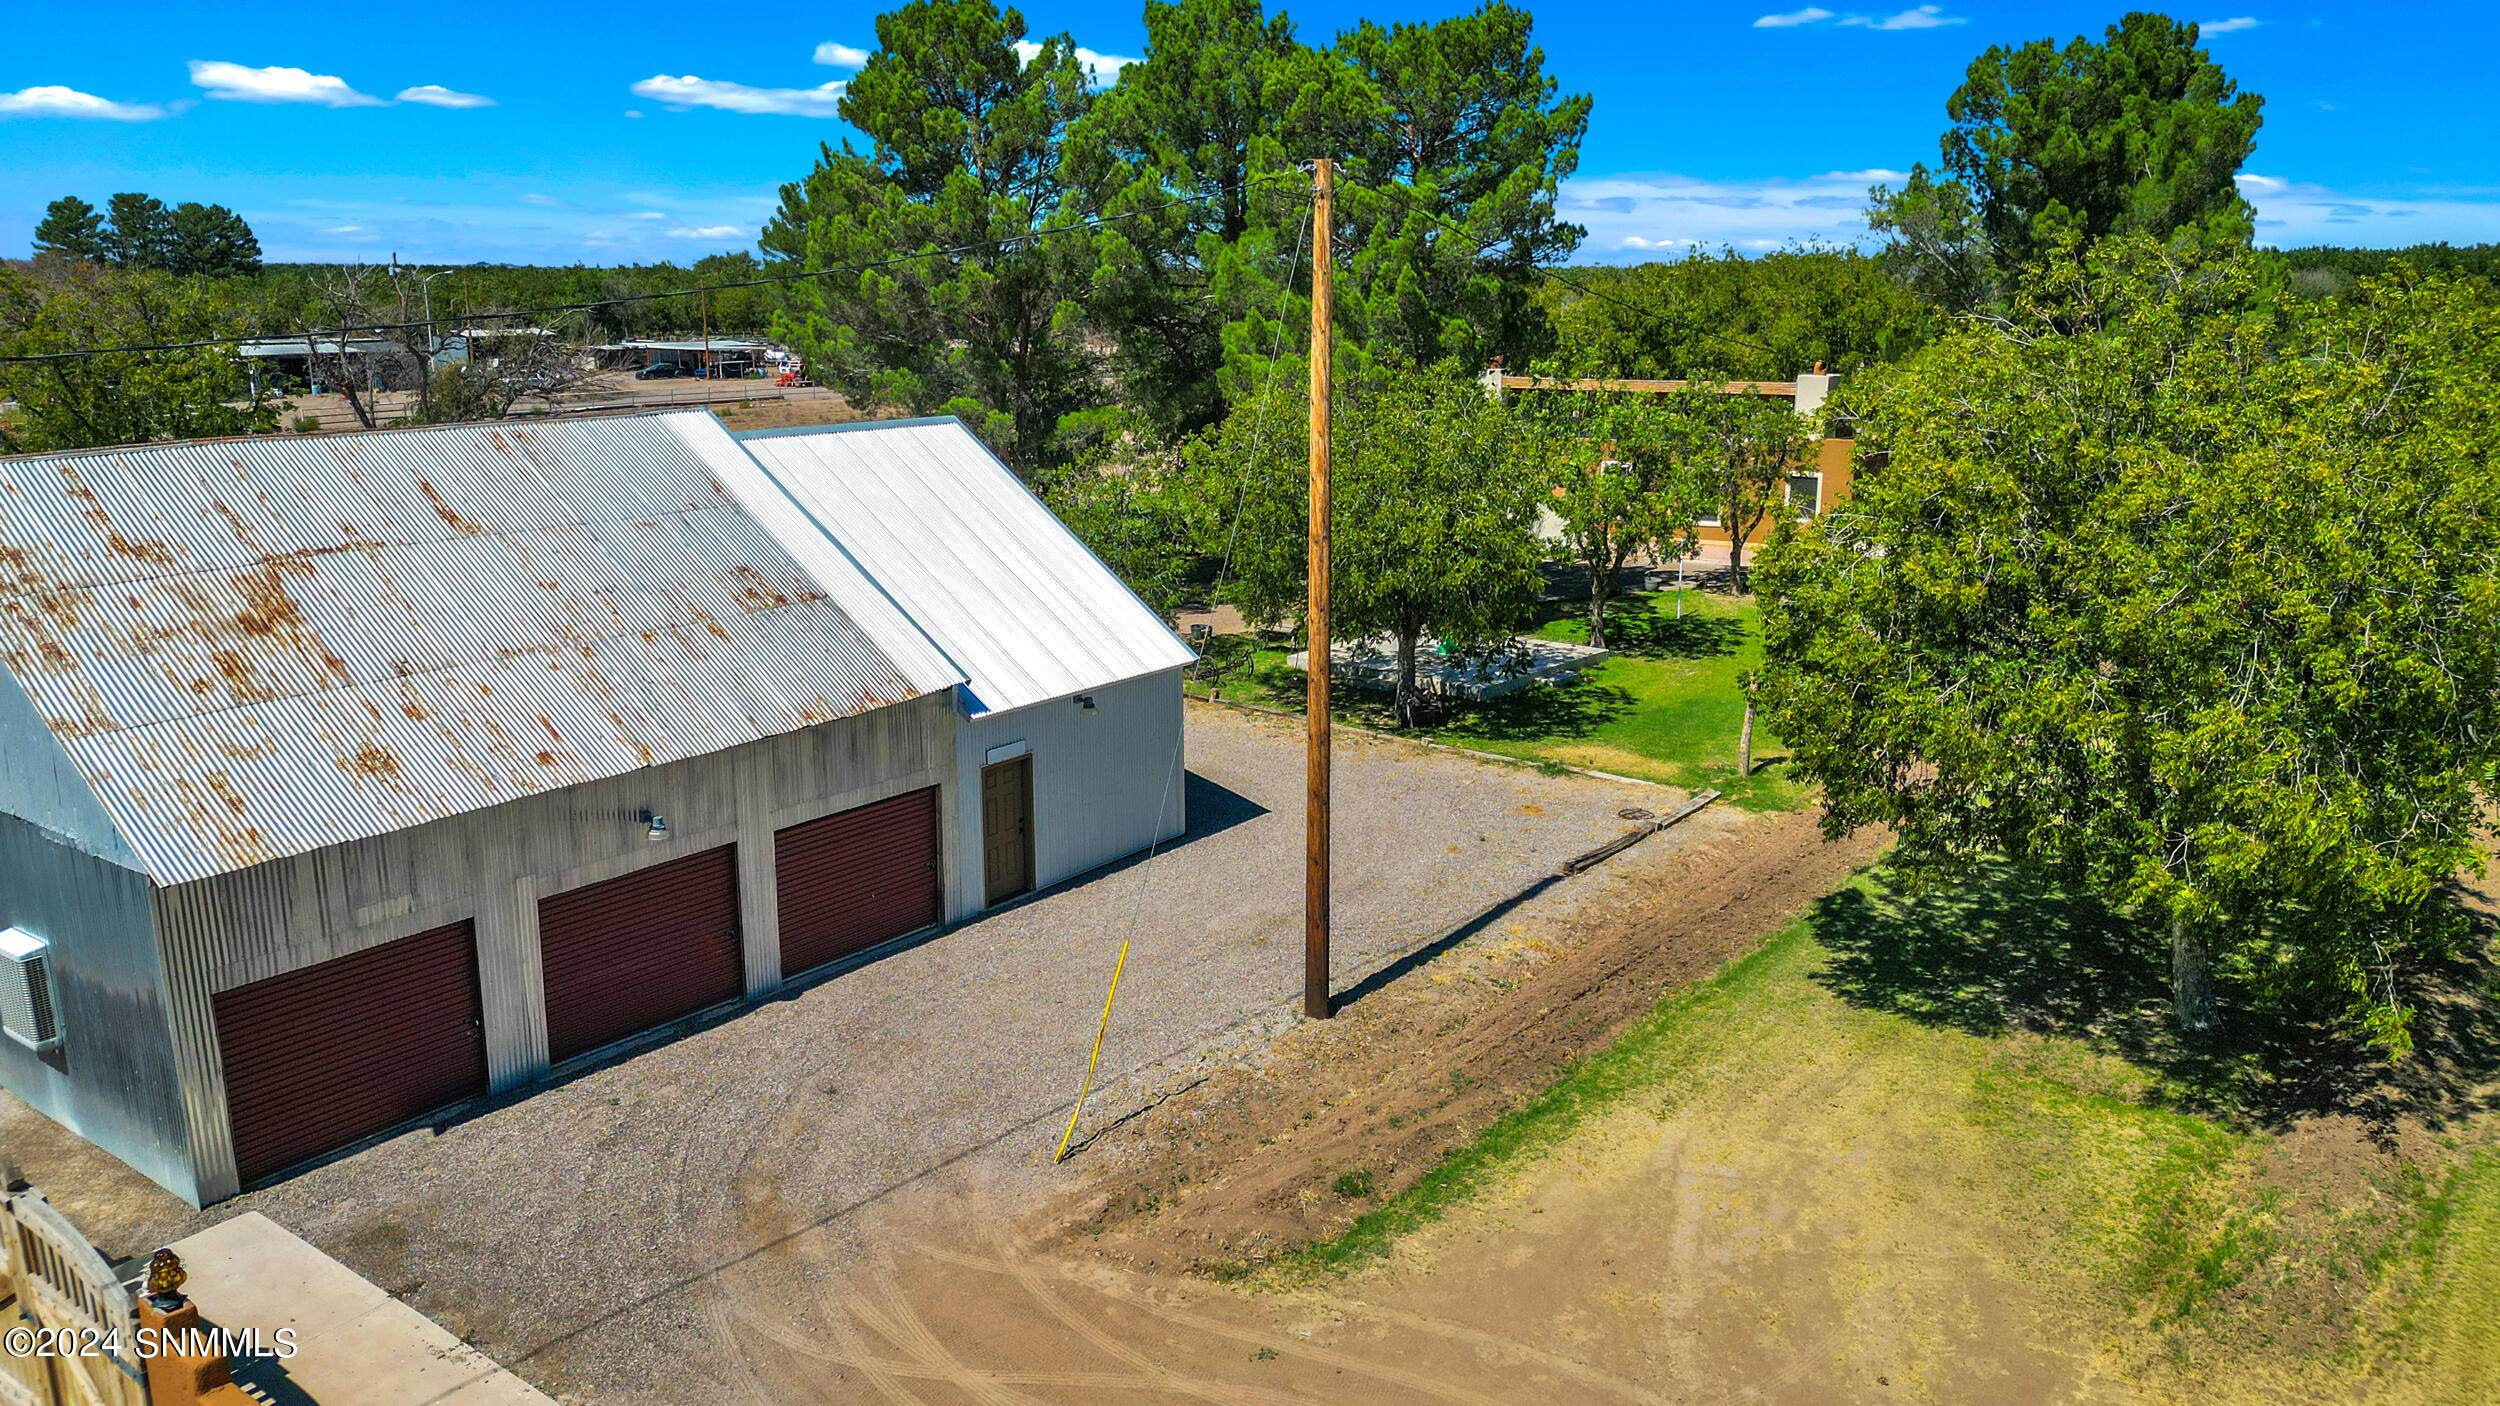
x: 1069, y: 751
x: 342, y: 778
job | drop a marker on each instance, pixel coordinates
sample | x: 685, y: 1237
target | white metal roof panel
x: 256, y: 648
x: 1019, y: 604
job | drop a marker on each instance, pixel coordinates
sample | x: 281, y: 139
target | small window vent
x: 26, y: 1011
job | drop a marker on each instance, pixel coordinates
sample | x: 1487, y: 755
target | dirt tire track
x: 1240, y: 1169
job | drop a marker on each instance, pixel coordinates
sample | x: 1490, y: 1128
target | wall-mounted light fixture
x: 658, y: 824
x: 1085, y: 701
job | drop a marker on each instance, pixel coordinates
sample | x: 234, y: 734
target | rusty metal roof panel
x: 256, y: 648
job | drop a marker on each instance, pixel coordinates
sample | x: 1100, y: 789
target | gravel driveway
x: 573, y: 1233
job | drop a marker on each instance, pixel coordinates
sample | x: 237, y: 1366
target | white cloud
x: 535, y: 198
x: 436, y: 95
x: 690, y: 91
x: 1630, y: 218
x: 1794, y: 18
x: 1924, y: 17
x: 833, y: 55
x: 2292, y: 213
x: 630, y: 112
x: 52, y: 100
x: 2229, y: 26
x: 237, y: 83
x: 707, y: 232
x: 1104, y: 67
x: 644, y: 215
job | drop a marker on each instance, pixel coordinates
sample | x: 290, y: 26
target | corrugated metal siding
x: 493, y: 866
x: 1106, y: 783
x: 113, y: 1081
x: 850, y: 881
x: 259, y: 648
x: 640, y: 951
x: 321, y: 1057
x: 1015, y: 600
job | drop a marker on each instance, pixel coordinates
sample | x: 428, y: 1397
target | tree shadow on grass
x: 1555, y: 712
x: 1647, y: 626
x: 2004, y: 951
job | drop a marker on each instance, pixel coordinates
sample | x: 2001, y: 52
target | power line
x: 341, y: 331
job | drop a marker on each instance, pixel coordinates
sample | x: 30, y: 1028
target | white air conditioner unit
x: 27, y: 1014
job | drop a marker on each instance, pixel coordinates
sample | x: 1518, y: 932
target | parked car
x: 659, y: 371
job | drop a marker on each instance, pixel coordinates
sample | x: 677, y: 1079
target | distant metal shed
x: 1070, y: 754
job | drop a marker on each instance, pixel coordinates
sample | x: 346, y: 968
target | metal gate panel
x: 641, y: 950
x: 318, y: 1058
x: 852, y: 880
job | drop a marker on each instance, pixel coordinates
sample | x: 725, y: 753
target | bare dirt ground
x: 1831, y: 1206
x: 963, y: 1291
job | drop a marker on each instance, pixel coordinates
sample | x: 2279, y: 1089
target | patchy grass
x: 1991, y: 1062
x: 2453, y: 1346
x: 1665, y: 708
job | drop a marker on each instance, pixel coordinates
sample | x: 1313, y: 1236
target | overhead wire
x: 1137, y: 905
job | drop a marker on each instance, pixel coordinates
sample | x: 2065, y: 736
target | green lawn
x: 1993, y: 1059
x: 1665, y: 708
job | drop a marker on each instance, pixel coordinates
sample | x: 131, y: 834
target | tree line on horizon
x: 140, y: 232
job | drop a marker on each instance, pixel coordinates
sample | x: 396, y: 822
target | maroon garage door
x: 853, y: 880
x: 318, y: 1058
x: 640, y: 951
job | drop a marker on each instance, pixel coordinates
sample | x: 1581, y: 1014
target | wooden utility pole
x: 1316, y: 1001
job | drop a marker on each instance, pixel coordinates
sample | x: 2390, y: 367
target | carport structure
x: 343, y: 778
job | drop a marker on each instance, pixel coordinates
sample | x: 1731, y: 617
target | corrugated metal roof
x: 1004, y: 588
x: 256, y: 648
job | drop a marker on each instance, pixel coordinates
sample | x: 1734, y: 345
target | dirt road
x: 964, y: 1291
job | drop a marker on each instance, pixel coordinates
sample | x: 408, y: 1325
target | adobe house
x: 1809, y: 493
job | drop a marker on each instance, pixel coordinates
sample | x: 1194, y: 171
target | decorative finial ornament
x: 165, y: 1279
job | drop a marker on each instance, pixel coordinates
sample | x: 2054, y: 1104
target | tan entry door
x: 1007, y: 828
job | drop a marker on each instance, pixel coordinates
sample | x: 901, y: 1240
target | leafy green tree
x: 2142, y: 132
x: 71, y: 228
x: 141, y: 234
x: 82, y: 402
x: 2181, y: 603
x: 1218, y: 113
x: 1766, y: 318
x: 1623, y: 480
x: 967, y: 139
x: 1458, y: 144
x: 1135, y: 506
x: 209, y: 239
x: 1434, y: 486
x: 1452, y: 141
x: 1743, y: 446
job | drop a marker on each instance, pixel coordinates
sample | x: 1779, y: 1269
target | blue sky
x: 615, y: 132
